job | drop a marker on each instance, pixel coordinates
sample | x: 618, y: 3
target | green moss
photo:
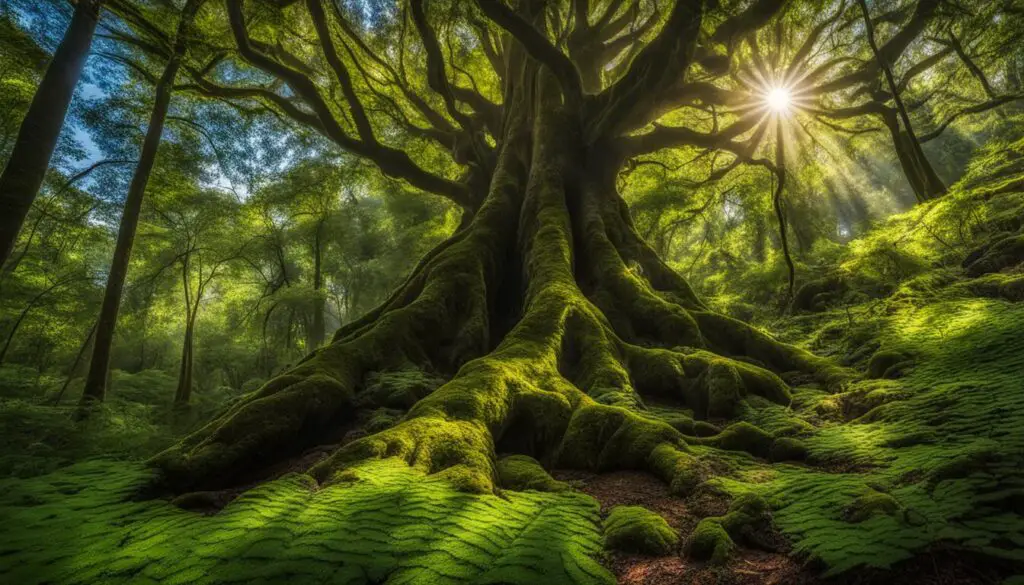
x: 868, y: 504
x: 380, y: 419
x: 680, y: 470
x: 885, y: 364
x: 638, y: 530
x: 521, y: 472
x: 386, y: 522
x: 742, y: 436
x: 998, y: 286
x: 710, y: 542
x: 714, y: 538
x: 606, y: 437
x: 725, y: 389
x: 398, y: 389
x: 788, y: 449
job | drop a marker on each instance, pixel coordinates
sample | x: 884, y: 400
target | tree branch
x: 659, y: 67
x: 538, y: 47
x: 390, y: 161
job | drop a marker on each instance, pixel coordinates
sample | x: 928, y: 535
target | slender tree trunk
x: 74, y: 365
x: 931, y: 185
x: 184, y: 390
x: 316, y: 331
x: 95, y: 383
x: 37, y: 137
x: 780, y: 215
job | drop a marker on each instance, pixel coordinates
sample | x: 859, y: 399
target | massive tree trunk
x: 96, y: 380
x: 37, y: 137
x: 552, y: 320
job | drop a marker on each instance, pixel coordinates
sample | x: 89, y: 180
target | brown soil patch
x: 633, y: 488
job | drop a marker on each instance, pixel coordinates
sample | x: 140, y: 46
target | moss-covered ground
x: 385, y: 523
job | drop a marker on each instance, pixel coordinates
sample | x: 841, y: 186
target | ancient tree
x: 551, y: 319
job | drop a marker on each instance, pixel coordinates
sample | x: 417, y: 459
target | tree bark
x: 95, y: 382
x: 37, y: 137
x: 183, y: 392
x: 316, y: 330
x: 777, y: 204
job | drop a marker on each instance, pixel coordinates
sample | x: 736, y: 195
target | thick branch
x: 538, y: 47
x: 390, y: 161
x: 659, y: 67
x: 891, y: 51
x: 975, y: 109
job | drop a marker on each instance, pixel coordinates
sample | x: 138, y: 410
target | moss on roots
x: 522, y: 472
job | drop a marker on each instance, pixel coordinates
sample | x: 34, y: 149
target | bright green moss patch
x: 521, y: 472
x: 387, y: 523
x: 638, y: 530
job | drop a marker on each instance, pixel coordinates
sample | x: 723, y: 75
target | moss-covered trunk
x: 550, y: 318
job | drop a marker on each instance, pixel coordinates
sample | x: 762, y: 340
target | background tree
x: 37, y: 137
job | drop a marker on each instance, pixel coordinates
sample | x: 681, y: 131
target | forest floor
x: 914, y: 474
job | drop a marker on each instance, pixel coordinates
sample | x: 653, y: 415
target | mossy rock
x: 680, y: 470
x: 815, y: 296
x: 522, y: 472
x: 872, y: 502
x: 788, y: 449
x: 714, y: 539
x: 1000, y: 254
x: 887, y: 364
x: 998, y: 286
x: 636, y: 529
x: 710, y: 542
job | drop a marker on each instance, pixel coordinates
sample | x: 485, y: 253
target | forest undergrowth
x: 916, y: 466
